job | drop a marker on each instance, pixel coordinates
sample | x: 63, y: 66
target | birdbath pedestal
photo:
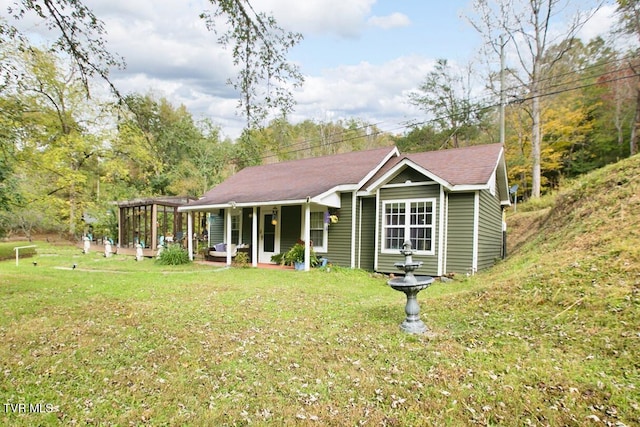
x: 410, y: 285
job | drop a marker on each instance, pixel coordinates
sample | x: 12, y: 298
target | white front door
x: 269, y: 235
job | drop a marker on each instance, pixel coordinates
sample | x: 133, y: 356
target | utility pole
x: 502, y: 96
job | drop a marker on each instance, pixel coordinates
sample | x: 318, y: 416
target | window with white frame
x: 318, y: 231
x: 408, y: 220
x: 235, y: 229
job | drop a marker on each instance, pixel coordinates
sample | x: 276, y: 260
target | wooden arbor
x: 151, y: 222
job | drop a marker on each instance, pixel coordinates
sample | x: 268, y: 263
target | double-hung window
x: 235, y: 229
x: 318, y: 231
x: 408, y: 220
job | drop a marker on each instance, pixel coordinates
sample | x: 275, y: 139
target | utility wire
x: 488, y: 104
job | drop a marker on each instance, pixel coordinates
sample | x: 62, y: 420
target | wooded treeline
x: 66, y: 157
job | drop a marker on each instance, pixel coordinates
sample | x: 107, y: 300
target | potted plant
x: 295, y: 256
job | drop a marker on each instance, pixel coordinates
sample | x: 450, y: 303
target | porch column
x: 154, y: 228
x: 307, y: 237
x: 228, y: 234
x: 254, y: 237
x: 189, y: 234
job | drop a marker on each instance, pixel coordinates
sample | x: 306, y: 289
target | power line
x: 481, y: 106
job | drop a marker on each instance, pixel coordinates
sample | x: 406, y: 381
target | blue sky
x: 360, y: 58
x: 433, y: 29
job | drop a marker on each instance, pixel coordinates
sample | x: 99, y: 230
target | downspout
x: 476, y: 230
x: 377, y: 228
x: 353, y: 229
x: 359, y: 254
x: 441, y: 249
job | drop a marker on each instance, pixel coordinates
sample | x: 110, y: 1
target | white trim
x: 331, y: 197
x: 493, y: 188
x: 228, y: 234
x: 237, y: 213
x: 505, y: 175
x: 262, y: 255
x: 441, y: 254
x: 476, y: 226
x: 325, y: 230
x: 398, y: 168
x: 233, y: 204
x: 377, y: 227
x: 469, y: 187
x: 407, y: 226
x: 307, y: 235
x: 409, y: 184
x: 353, y: 229
x: 393, y: 153
x: 189, y: 234
x: 359, y: 213
x: 254, y: 237
x: 445, y: 248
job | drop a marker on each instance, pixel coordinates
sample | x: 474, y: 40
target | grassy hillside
x: 550, y: 336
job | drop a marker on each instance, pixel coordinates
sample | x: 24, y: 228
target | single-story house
x: 358, y: 208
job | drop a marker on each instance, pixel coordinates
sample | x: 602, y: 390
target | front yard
x: 118, y: 342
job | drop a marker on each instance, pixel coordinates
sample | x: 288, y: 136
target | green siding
x: 489, y: 230
x: 408, y: 174
x: 430, y: 262
x: 460, y: 233
x: 290, y: 226
x: 339, y: 249
x: 216, y: 227
x: 365, y: 245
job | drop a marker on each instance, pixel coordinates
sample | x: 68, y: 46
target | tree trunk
x: 633, y: 141
x: 536, y: 142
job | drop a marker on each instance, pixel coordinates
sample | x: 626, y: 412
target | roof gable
x: 456, y: 167
x: 461, y: 166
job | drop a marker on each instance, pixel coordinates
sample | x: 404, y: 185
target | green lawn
x: 119, y: 342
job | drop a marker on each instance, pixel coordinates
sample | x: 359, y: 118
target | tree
x: 628, y: 12
x: 529, y: 31
x: 154, y: 139
x: 259, y: 46
x: 55, y: 156
x: 80, y: 34
x: 445, y: 95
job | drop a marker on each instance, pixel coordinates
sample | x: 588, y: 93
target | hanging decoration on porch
x: 274, y: 216
x: 331, y: 216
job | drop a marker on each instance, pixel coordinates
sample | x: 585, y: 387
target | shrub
x: 278, y: 258
x: 173, y: 255
x: 296, y: 254
x: 241, y: 260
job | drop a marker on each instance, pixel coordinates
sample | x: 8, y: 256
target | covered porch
x: 262, y: 230
x: 151, y: 222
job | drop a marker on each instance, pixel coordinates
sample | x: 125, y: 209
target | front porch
x: 97, y: 247
x: 262, y: 231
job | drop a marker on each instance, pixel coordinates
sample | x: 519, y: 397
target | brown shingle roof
x: 461, y: 166
x: 296, y: 179
x: 457, y: 166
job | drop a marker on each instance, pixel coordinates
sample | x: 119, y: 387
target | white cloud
x: 345, y: 18
x: 375, y: 93
x: 169, y: 52
x: 390, y: 21
x: 600, y: 24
